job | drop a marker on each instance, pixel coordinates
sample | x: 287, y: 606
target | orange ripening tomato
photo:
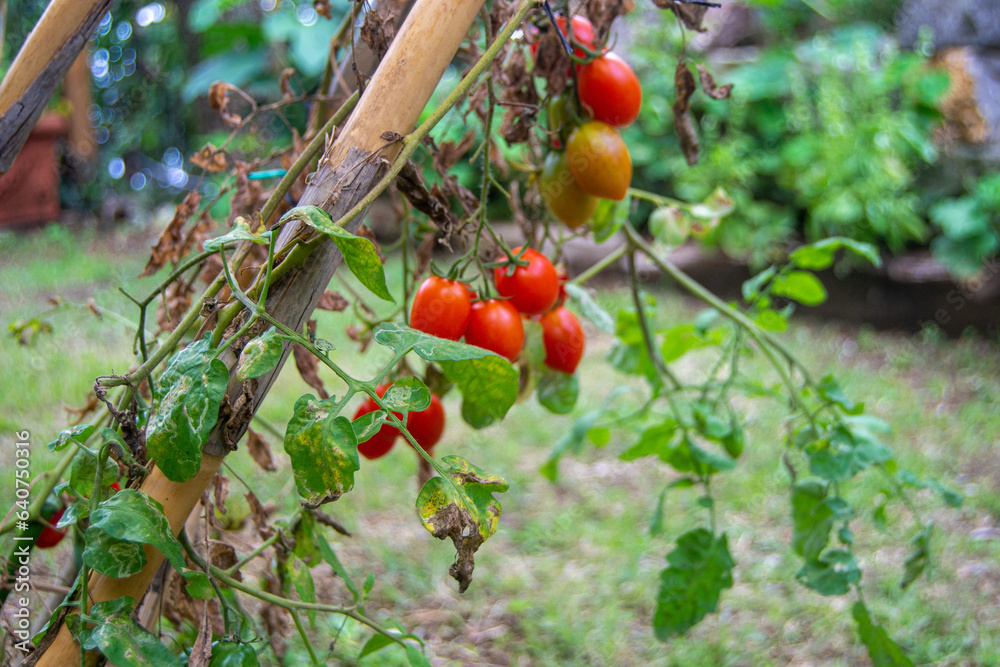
x: 496, y: 325
x: 441, y: 308
x: 599, y: 161
x: 563, y: 338
x: 427, y: 425
x: 532, y: 289
x: 562, y: 194
x: 379, y: 444
x: 610, y: 90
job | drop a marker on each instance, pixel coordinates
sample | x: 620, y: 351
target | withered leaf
x: 709, y: 87
x: 690, y: 15
x: 327, y: 520
x: 334, y: 301
x: 448, y: 153
x: 218, y: 99
x: 249, y: 196
x: 168, y: 246
x: 602, y: 13
x: 411, y: 185
x: 284, y: 82
x: 322, y: 7
x: 201, y: 652
x: 308, y: 366
x: 210, y: 159
x: 223, y: 556
x: 175, y: 302
x: 220, y: 490
x: 377, y: 31
x: 260, y: 451
x: 258, y: 515
x: 683, y: 123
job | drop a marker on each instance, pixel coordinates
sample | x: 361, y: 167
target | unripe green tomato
x: 233, y: 654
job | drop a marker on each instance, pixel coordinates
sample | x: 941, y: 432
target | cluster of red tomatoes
x: 530, y: 286
x: 595, y: 163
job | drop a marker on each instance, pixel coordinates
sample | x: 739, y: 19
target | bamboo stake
x: 393, y: 101
x: 40, y: 65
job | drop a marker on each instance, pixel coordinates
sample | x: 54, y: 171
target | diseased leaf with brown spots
x: 709, y: 87
x: 334, y: 301
x: 260, y: 450
x: 168, y: 246
x: 683, y: 123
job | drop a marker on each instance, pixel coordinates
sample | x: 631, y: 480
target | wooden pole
x: 392, y: 102
x: 40, y: 65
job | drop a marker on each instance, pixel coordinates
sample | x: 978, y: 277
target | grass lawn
x: 571, y: 576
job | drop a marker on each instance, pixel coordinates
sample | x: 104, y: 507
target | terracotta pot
x: 29, y: 191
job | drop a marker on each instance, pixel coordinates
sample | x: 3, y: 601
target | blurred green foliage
x: 824, y: 136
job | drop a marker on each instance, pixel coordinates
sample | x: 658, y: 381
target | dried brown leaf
x: 223, y: 556
x: 259, y: 515
x: 220, y: 490
x: 520, y: 96
x: 81, y: 413
x: 448, y: 153
x: 328, y: 520
x: 249, y: 196
x: 690, y: 15
x: 709, y: 87
x: 210, y: 159
x: 218, y: 99
x: 201, y: 652
x: 684, y: 87
x: 284, y: 82
x: 168, y: 246
x: 308, y: 366
x: 175, y: 302
x: 260, y: 450
x: 334, y: 301
x: 411, y: 185
x: 377, y: 31
x: 322, y: 7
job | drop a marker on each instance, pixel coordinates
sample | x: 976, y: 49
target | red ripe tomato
x: 563, y: 338
x: 533, y: 288
x: 116, y: 486
x: 599, y: 161
x: 427, y: 425
x: 563, y: 195
x: 379, y: 444
x: 441, y: 308
x: 583, y: 33
x: 610, y: 90
x: 496, y: 326
x: 49, y: 537
x: 563, y: 277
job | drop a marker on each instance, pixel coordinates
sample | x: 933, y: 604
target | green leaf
x: 239, y: 232
x: 850, y: 448
x: 881, y: 649
x: 121, y: 639
x: 557, y: 392
x: 918, y: 558
x: 487, y: 381
x: 717, y: 205
x: 590, y: 309
x: 198, y: 586
x: 800, y: 286
x: 74, y: 512
x: 708, y: 462
x: 656, y: 524
x: 323, y: 450
x: 260, y: 355
x: 78, y: 433
x: 359, y: 253
x: 751, y: 288
x: 812, y: 518
x: 377, y: 642
x: 190, y: 390
x: 829, y: 390
x: 654, y: 441
x: 83, y: 471
x: 609, y: 218
x: 304, y: 584
x: 463, y: 509
x: 132, y: 515
x: 408, y: 394
x: 571, y: 441
x: 832, y: 573
x: 700, y: 569
x: 670, y: 225
x: 368, y: 425
x: 330, y: 556
x: 819, y: 255
x: 959, y: 218
x: 679, y: 340
x: 415, y: 656
x: 111, y: 556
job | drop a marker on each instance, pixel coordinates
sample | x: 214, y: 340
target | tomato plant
x: 562, y: 194
x: 599, y: 160
x: 379, y: 444
x: 426, y: 426
x: 532, y: 289
x: 609, y: 90
x: 50, y: 535
x: 564, y: 339
x: 496, y: 325
x: 441, y: 308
